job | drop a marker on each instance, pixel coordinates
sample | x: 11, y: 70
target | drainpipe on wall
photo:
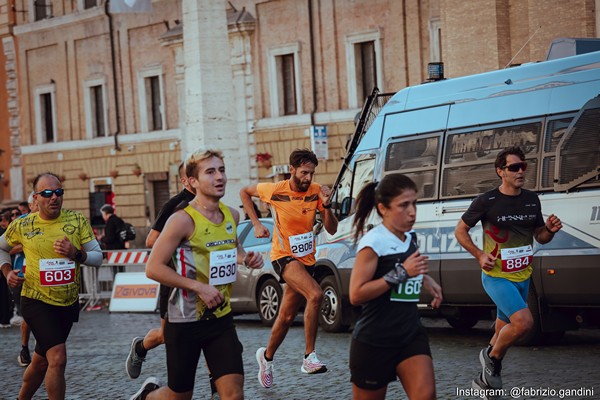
x: 114, y: 68
x: 312, y: 63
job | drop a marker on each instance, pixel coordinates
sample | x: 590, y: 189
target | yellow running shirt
x: 209, y: 256
x: 294, y: 215
x: 49, y: 276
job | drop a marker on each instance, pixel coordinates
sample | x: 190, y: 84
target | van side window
x: 350, y: 184
x: 555, y: 129
x: 341, y: 201
x: 417, y: 159
x: 577, y: 156
x: 363, y: 174
x: 468, y: 160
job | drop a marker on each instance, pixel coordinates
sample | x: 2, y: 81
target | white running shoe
x: 312, y: 365
x: 150, y: 385
x: 16, y: 320
x: 265, y: 369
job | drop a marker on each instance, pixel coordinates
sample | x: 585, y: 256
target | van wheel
x: 268, y: 301
x: 463, y: 320
x: 330, y: 313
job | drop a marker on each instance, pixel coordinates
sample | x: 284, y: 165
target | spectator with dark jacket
x: 111, y: 240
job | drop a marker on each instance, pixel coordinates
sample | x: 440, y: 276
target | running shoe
x: 491, y: 370
x: 486, y: 393
x: 312, y: 365
x: 133, y: 365
x: 24, y: 358
x: 265, y: 369
x: 16, y: 320
x: 150, y: 385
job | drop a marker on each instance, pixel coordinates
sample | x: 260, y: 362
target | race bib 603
x: 57, y: 271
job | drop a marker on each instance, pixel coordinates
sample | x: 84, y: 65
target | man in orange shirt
x: 294, y: 204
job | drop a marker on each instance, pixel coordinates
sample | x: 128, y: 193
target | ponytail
x: 365, y: 202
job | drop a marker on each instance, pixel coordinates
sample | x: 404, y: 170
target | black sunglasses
x: 516, y: 167
x: 15, y: 214
x: 49, y: 192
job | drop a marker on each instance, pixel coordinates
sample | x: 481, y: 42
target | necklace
x: 213, y: 211
x: 200, y: 204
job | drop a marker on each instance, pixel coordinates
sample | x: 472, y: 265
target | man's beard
x: 301, y: 187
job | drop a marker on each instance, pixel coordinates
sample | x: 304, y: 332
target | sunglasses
x: 48, y: 193
x: 516, y: 167
x: 15, y: 214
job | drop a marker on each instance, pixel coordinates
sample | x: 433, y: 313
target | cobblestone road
x: 99, y: 343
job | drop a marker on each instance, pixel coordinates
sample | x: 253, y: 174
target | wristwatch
x: 78, y: 256
x: 327, y: 205
x: 402, y: 273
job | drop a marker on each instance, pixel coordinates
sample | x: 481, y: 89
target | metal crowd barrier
x: 97, y: 282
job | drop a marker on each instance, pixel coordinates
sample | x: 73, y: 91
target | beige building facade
x: 100, y: 98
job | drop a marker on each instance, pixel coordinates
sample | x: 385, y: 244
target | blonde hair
x: 199, y: 155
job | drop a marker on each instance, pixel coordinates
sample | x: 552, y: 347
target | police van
x: 445, y: 135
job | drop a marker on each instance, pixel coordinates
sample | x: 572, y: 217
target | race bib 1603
x: 408, y: 291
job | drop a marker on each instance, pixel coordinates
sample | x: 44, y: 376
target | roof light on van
x: 435, y: 71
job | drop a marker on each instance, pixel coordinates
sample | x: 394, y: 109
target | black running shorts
x: 372, y: 368
x: 280, y: 264
x: 49, y: 324
x: 163, y: 300
x: 185, y: 341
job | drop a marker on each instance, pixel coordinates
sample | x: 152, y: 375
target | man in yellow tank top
x: 55, y: 242
x: 202, y: 241
x: 294, y: 204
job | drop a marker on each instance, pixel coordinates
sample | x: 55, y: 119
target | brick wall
x: 98, y: 163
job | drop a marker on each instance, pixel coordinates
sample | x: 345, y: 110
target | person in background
x: 24, y: 358
x: 17, y: 258
x: 56, y: 242
x: 4, y: 221
x: 6, y: 305
x: 111, y: 239
x: 256, y: 210
x: 388, y: 341
x: 14, y: 214
x: 24, y: 207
